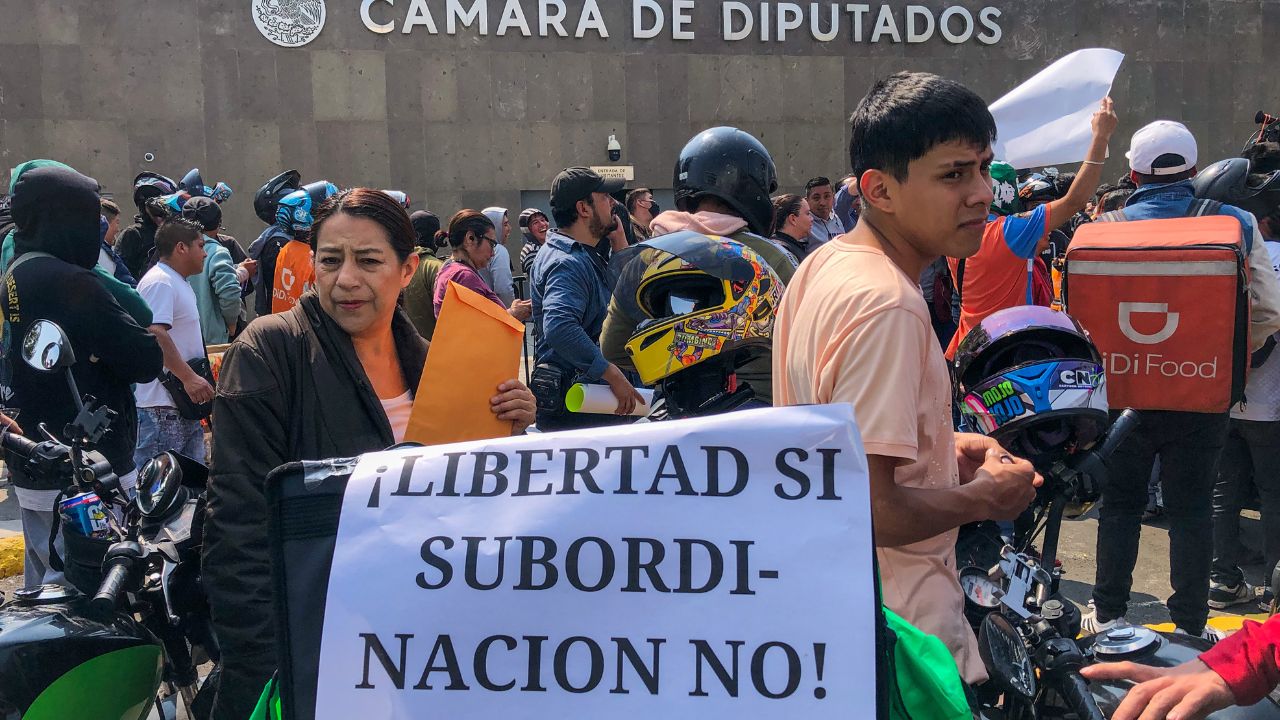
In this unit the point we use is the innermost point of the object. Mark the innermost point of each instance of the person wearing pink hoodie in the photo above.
(722, 189)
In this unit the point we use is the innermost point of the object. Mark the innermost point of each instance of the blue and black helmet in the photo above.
(1031, 378)
(296, 210)
(267, 200)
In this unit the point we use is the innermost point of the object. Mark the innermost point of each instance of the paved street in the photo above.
(1151, 576)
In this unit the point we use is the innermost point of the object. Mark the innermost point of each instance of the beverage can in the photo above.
(85, 514)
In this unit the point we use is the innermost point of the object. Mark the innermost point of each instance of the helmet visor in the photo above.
(978, 344)
(709, 262)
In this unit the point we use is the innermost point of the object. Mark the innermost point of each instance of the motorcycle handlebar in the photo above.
(121, 560)
(1075, 691)
(1120, 429)
(112, 587)
(18, 445)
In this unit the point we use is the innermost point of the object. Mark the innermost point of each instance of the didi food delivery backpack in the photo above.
(1167, 302)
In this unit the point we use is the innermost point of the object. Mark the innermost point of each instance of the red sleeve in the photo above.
(1249, 660)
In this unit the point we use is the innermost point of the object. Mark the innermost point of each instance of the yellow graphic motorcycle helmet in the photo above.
(697, 298)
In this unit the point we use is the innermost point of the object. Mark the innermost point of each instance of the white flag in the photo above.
(1045, 120)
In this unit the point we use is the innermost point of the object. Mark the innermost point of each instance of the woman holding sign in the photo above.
(333, 377)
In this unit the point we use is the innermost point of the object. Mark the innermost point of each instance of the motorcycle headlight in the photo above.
(159, 482)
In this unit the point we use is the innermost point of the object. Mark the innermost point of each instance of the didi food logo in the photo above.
(1127, 310)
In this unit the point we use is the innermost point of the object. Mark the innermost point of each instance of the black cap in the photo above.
(577, 183)
(204, 211)
(425, 226)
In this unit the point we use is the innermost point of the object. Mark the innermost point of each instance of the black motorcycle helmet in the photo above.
(1231, 182)
(192, 183)
(148, 185)
(1031, 378)
(731, 165)
(268, 197)
(1043, 189)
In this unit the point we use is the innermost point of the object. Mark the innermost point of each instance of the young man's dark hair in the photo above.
(1114, 200)
(906, 114)
(176, 230)
(634, 197)
(816, 182)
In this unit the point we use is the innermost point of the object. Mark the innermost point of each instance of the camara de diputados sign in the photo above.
(295, 22)
(708, 568)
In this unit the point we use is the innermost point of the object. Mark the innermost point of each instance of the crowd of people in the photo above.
(861, 290)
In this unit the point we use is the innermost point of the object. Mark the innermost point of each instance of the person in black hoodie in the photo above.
(56, 213)
(137, 240)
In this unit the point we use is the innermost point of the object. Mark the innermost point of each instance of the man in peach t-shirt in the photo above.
(853, 327)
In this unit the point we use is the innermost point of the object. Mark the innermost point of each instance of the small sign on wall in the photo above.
(615, 172)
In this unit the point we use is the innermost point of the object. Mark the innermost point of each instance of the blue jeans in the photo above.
(161, 429)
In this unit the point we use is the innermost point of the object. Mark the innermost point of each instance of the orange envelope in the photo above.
(476, 347)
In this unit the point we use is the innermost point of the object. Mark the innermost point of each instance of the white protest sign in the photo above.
(1045, 120)
(710, 568)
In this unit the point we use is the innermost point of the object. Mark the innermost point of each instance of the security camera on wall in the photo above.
(615, 149)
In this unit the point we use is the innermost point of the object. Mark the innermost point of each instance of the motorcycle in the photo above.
(1027, 631)
(136, 643)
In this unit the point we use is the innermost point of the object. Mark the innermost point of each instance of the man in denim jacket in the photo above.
(571, 291)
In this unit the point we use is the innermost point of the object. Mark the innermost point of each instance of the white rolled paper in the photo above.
(599, 400)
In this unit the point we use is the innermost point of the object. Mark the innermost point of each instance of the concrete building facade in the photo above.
(450, 101)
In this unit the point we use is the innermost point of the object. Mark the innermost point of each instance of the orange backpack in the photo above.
(1167, 303)
(294, 276)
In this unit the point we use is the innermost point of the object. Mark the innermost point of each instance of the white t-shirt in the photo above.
(1262, 391)
(398, 410)
(172, 303)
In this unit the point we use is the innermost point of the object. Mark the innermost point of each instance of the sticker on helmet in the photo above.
(1004, 192)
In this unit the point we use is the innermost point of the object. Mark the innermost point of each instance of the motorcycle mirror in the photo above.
(1005, 655)
(46, 348)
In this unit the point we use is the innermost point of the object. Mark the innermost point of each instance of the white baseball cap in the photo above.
(1164, 147)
